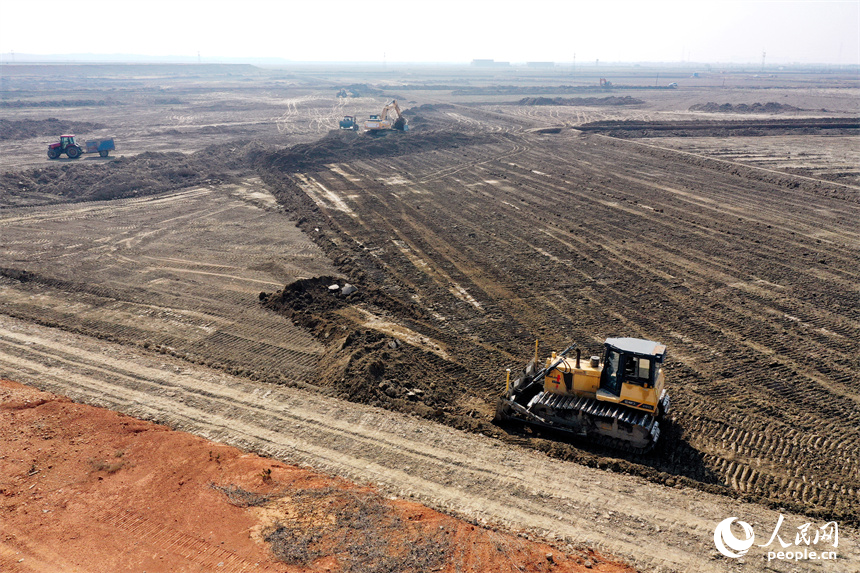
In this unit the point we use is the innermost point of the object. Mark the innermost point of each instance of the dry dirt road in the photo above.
(654, 527)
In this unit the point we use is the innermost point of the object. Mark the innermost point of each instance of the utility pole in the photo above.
(763, 54)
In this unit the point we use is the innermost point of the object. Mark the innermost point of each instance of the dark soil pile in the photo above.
(306, 300)
(715, 128)
(769, 107)
(428, 116)
(25, 128)
(361, 90)
(347, 145)
(363, 364)
(123, 177)
(532, 90)
(592, 101)
(60, 103)
(428, 107)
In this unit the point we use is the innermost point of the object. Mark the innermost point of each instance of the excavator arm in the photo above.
(396, 108)
(388, 107)
(400, 122)
(381, 122)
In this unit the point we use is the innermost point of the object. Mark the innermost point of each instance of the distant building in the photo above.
(489, 63)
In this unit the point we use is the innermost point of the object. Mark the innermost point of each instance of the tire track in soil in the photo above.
(706, 260)
(198, 551)
(850, 409)
(179, 272)
(465, 474)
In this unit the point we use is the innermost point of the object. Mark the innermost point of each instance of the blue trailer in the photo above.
(101, 146)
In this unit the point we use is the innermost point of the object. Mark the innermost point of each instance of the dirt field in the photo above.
(749, 275)
(78, 480)
(730, 235)
(478, 478)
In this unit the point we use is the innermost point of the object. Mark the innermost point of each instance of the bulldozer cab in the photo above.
(630, 361)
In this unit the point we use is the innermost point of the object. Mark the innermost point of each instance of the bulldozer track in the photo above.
(730, 268)
(172, 542)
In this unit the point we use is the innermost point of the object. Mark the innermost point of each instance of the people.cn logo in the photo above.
(728, 544)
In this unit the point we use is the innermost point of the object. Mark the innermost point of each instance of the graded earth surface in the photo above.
(187, 280)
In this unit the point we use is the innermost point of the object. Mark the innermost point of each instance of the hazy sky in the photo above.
(804, 31)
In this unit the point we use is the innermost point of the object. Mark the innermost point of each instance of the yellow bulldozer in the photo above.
(618, 400)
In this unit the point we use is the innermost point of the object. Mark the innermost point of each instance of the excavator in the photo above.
(618, 400)
(383, 122)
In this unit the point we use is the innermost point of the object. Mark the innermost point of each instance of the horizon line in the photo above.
(11, 58)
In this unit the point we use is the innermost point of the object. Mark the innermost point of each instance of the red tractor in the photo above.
(66, 145)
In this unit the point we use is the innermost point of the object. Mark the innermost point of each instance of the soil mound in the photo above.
(720, 128)
(26, 128)
(769, 107)
(496, 90)
(590, 101)
(305, 299)
(380, 352)
(428, 107)
(141, 175)
(369, 359)
(360, 90)
(346, 145)
(60, 103)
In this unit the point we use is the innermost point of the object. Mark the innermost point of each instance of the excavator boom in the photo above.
(383, 122)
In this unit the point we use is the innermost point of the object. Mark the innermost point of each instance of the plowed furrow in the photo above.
(579, 238)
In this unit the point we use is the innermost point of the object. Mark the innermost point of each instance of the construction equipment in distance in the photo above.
(66, 145)
(343, 92)
(72, 150)
(618, 401)
(383, 122)
(348, 122)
